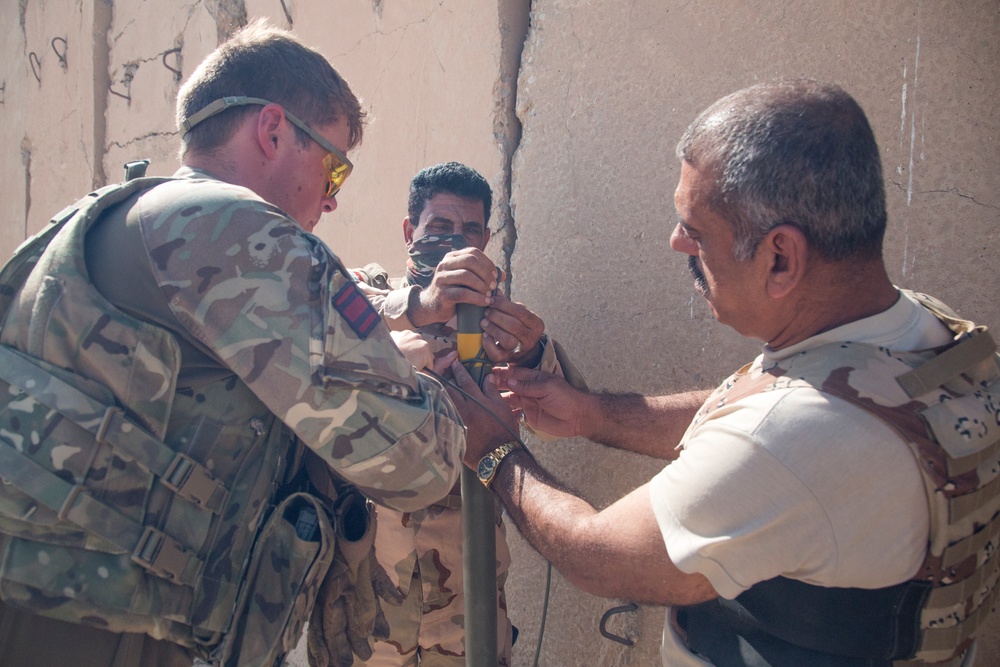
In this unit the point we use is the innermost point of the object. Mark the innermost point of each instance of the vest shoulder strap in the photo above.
(16, 270)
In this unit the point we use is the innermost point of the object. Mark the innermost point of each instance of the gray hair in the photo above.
(796, 152)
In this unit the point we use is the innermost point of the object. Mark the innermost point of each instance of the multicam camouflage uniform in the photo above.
(236, 344)
(422, 550)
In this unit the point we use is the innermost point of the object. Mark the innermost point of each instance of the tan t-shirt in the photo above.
(795, 483)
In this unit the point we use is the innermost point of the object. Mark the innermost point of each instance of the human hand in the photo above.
(512, 333)
(548, 403)
(484, 432)
(416, 350)
(462, 276)
(443, 362)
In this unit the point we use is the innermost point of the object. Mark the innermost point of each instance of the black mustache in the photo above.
(699, 278)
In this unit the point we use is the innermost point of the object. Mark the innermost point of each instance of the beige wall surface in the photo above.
(605, 91)
(576, 133)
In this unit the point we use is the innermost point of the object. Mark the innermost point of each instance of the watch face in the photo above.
(486, 467)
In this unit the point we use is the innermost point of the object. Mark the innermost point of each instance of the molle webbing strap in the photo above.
(938, 642)
(955, 661)
(959, 507)
(952, 594)
(964, 464)
(182, 475)
(149, 548)
(976, 348)
(973, 544)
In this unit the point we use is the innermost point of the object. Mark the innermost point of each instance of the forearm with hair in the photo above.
(616, 553)
(650, 425)
(549, 516)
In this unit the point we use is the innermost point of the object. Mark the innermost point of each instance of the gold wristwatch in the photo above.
(488, 465)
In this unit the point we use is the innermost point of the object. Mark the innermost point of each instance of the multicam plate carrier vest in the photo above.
(945, 404)
(129, 505)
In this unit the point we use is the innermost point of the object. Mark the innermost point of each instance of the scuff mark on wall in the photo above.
(515, 20)
(909, 260)
(26, 162)
(910, 108)
(902, 115)
(913, 122)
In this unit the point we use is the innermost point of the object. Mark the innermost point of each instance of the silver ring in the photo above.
(517, 348)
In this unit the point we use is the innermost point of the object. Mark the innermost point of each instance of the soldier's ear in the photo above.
(408, 231)
(269, 129)
(785, 252)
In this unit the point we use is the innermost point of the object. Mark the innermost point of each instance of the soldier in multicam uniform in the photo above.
(835, 502)
(173, 365)
(445, 233)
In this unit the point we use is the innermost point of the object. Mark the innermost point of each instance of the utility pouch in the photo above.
(289, 562)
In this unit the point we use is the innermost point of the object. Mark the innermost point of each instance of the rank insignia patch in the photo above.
(356, 310)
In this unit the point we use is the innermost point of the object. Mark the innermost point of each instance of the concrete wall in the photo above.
(604, 94)
(602, 91)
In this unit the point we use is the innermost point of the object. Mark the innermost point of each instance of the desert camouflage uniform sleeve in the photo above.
(277, 307)
(555, 360)
(391, 301)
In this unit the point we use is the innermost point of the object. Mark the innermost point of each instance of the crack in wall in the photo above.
(428, 16)
(101, 63)
(229, 15)
(143, 137)
(946, 191)
(515, 21)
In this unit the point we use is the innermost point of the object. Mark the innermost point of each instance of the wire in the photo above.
(545, 611)
(496, 417)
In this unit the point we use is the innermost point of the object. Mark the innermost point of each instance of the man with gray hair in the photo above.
(834, 502)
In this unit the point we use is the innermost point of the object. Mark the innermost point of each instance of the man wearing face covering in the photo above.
(445, 234)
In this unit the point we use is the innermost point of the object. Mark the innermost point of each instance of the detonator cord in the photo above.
(516, 436)
(475, 400)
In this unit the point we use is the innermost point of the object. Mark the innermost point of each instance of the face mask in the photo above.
(426, 253)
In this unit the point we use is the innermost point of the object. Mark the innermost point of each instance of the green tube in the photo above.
(480, 569)
(479, 549)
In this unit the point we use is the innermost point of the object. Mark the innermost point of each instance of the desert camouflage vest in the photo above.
(945, 404)
(126, 503)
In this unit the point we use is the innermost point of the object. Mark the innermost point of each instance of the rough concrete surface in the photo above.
(571, 109)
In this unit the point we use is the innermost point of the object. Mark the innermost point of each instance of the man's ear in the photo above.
(408, 231)
(486, 236)
(270, 128)
(787, 256)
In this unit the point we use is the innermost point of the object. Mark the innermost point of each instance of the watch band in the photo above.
(486, 470)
